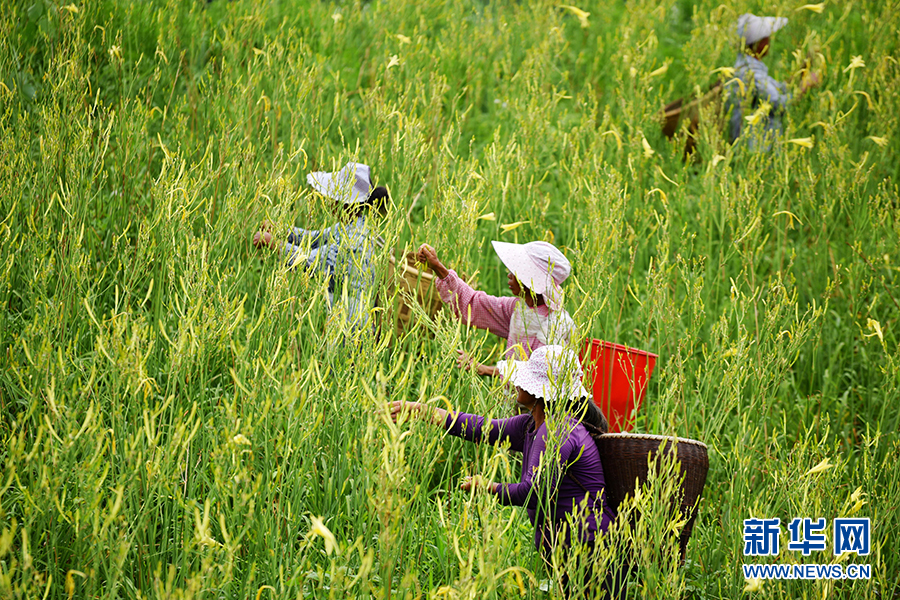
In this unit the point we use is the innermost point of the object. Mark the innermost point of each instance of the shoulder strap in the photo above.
(595, 435)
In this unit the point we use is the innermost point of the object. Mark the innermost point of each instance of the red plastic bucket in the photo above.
(619, 377)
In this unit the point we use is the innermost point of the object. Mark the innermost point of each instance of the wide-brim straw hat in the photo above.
(350, 185)
(539, 266)
(552, 373)
(752, 28)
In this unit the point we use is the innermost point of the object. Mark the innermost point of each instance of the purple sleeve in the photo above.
(528, 492)
(472, 428)
(475, 307)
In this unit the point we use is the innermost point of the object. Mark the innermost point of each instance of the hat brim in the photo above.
(347, 186)
(518, 374)
(757, 28)
(516, 259)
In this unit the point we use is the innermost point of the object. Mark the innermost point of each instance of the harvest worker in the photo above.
(342, 252)
(533, 317)
(755, 99)
(562, 482)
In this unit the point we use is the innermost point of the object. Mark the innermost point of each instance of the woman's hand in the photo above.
(399, 407)
(428, 255)
(466, 363)
(417, 410)
(262, 238)
(811, 80)
(477, 482)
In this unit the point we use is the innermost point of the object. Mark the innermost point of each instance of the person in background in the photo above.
(562, 476)
(342, 252)
(752, 89)
(532, 317)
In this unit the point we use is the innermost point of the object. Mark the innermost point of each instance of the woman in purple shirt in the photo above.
(556, 404)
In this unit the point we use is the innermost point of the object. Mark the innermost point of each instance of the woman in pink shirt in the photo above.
(532, 317)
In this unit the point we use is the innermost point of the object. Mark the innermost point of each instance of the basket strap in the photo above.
(578, 483)
(595, 434)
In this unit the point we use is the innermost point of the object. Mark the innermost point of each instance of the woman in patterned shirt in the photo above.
(342, 252)
(753, 90)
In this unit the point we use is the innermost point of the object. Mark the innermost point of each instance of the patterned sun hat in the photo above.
(752, 28)
(350, 185)
(539, 266)
(552, 372)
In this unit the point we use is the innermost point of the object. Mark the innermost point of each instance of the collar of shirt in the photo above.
(745, 61)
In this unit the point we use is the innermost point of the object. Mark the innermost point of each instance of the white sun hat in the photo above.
(539, 266)
(552, 373)
(752, 28)
(350, 185)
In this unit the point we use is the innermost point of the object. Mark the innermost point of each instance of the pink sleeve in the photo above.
(474, 307)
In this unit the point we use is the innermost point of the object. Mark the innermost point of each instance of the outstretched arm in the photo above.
(471, 306)
(473, 428)
(428, 255)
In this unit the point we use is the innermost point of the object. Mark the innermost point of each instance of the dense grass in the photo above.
(177, 407)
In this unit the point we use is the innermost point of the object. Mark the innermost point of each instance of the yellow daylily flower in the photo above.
(881, 141)
(758, 114)
(791, 215)
(582, 15)
(875, 327)
(816, 8)
(241, 440)
(754, 584)
(659, 71)
(394, 61)
(511, 226)
(488, 217)
(403, 39)
(822, 466)
(857, 497)
(70, 582)
(648, 151)
(728, 72)
(856, 62)
(806, 142)
(318, 528)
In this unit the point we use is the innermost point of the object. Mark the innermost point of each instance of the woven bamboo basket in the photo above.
(625, 465)
(674, 112)
(416, 283)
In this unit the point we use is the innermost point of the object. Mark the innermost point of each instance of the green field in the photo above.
(181, 419)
